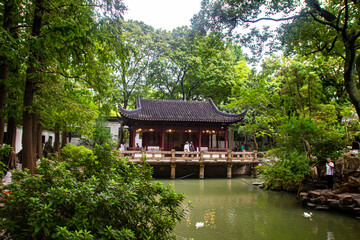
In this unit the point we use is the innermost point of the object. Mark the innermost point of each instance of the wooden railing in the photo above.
(181, 156)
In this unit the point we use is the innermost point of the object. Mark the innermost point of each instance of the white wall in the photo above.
(18, 145)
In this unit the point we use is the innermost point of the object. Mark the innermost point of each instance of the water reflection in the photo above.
(231, 209)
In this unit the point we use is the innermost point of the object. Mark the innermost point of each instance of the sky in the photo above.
(164, 14)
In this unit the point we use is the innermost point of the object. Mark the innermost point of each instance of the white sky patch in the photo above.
(164, 14)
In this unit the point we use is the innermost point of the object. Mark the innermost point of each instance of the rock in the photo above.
(304, 201)
(320, 200)
(347, 164)
(311, 205)
(334, 203)
(348, 208)
(322, 207)
(315, 193)
(356, 201)
(303, 194)
(345, 199)
(354, 179)
(328, 194)
(355, 195)
(311, 200)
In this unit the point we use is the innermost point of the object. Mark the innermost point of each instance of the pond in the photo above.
(234, 209)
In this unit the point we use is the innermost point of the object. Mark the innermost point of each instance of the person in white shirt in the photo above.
(330, 173)
(186, 148)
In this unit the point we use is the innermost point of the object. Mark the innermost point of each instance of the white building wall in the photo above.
(19, 132)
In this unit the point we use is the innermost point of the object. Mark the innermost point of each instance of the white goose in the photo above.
(308, 215)
(199, 225)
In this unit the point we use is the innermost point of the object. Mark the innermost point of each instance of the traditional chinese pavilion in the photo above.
(168, 124)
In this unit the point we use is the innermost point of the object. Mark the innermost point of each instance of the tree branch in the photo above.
(268, 19)
(66, 76)
(339, 16)
(328, 50)
(332, 45)
(325, 23)
(346, 14)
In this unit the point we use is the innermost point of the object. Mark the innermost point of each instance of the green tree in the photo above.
(330, 27)
(132, 56)
(53, 45)
(289, 93)
(192, 67)
(99, 135)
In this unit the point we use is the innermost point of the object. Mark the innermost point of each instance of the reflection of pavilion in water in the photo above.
(168, 124)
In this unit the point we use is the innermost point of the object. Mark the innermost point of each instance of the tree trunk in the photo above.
(27, 144)
(2, 102)
(11, 140)
(358, 66)
(39, 143)
(63, 138)
(28, 157)
(57, 140)
(8, 7)
(255, 142)
(308, 148)
(34, 134)
(11, 132)
(121, 135)
(349, 75)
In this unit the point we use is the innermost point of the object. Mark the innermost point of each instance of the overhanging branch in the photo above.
(268, 19)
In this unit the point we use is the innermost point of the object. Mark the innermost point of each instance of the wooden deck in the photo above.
(201, 158)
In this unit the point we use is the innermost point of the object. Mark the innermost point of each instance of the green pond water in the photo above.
(234, 209)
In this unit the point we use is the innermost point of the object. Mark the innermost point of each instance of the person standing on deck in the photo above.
(191, 147)
(243, 147)
(330, 173)
(186, 148)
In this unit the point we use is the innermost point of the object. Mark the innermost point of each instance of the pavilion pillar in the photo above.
(162, 139)
(199, 140)
(172, 171)
(229, 170)
(226, 143)
(217, 140)
(133, 135)
(202, 171)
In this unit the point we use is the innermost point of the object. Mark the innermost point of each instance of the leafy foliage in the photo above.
(191, 66)
(287, 168)
(5, 150)
(325, 141)
(90, 196)
(99, 135)
(325, 28)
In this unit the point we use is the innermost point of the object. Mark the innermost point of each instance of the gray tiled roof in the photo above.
(180, 111)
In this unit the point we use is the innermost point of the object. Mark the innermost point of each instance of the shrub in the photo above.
(288, 168)
(5, 150)
(90, 196)
(76, 155)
